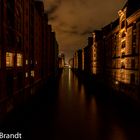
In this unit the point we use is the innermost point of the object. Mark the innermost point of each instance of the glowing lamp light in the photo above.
(116, 82)
(26, 74)
(26, 62)
(122, 50)
(32, 73)
(9, 59)
(19, 59)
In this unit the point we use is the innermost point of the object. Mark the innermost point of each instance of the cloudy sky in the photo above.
(74, 20)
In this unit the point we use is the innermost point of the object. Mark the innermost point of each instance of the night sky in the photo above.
(74, 20)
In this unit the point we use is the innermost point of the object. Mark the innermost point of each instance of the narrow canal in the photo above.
(70, 109)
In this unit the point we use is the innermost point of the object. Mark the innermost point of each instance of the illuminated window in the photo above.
(26, 62)
(32, 73)
(9, 59)
(19, 60)
(116, 82)
(26, 74)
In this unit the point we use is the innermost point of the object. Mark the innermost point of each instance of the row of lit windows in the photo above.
(32, 74)
(10, 59)
(131, 63)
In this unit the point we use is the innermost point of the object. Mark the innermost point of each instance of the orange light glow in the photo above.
(9, 59)
(32, 73)
(19, 60)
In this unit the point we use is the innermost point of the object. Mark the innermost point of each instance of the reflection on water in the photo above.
(81, 116)
(70, 111)
(74, 114)
(82, 95)
(117, 133)
(69, 81)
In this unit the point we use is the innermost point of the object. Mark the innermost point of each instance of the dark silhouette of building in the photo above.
(88, 56)
(54, 54)
(80, 59)
(75, 60)
(28, 51)
(98, 55)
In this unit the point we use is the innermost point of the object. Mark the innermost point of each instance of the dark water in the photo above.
(71, 109)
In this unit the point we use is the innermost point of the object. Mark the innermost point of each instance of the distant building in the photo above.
(61, 60)
(79, 59)
(75, 60)
(83, 58)
(71, 63)
(88, 53)
(98, 54)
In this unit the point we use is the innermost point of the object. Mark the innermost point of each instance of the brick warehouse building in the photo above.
(128, 76)
(24, 36)
(116, 51)
(88, 53)
(61, 60)
(110, 43)
(121, 40)
(98, 55)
